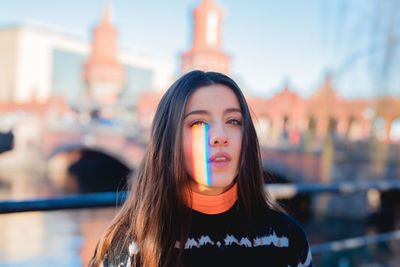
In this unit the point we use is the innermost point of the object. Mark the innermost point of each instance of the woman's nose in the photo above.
(218, 136)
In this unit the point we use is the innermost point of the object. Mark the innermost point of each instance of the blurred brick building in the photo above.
(287, 112)
(39, 60)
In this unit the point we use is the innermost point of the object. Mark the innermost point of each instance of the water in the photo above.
(378, 255)
(54, 238)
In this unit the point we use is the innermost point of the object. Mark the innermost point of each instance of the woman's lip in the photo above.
(219, 164)
(213, 158)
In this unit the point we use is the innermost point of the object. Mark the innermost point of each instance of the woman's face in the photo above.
(212, 138)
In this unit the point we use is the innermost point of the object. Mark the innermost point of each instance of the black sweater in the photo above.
(225, 239)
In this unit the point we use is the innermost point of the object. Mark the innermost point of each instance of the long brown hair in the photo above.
(154, 215)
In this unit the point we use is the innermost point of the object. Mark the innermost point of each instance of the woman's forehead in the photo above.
(214, 97)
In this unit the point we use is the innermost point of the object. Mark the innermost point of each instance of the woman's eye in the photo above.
(198, 123)
(235, 122)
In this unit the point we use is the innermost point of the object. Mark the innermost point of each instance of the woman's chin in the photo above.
(212, 189)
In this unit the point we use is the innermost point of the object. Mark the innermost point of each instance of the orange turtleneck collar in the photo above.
(214, 204)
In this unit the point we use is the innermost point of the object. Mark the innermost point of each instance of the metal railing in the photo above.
(355, 242)
(110, 199)
(93, 200)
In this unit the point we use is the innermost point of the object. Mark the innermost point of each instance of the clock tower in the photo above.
(206, 53)
(103, 74)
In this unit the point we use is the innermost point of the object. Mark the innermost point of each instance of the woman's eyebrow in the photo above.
(205, 112)
(200, 111)
(231, 110)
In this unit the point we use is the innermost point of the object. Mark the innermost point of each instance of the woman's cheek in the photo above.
(187, 152)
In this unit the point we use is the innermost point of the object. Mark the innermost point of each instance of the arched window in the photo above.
(378, 129)
(332, 124)
(312, 125)
(394, 133)
(263, 127)
(354, 131)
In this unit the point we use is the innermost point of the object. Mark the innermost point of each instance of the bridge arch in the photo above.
(80, 169)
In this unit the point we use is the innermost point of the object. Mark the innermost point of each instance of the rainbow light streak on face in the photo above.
(200, 155)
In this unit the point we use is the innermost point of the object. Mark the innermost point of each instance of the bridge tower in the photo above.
(206, 53)
(103, 73)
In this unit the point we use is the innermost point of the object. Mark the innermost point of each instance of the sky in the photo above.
(271, 43)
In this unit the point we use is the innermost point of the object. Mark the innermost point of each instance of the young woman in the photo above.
(198, 198)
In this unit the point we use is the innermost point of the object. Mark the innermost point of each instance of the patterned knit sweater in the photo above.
(225, 239)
